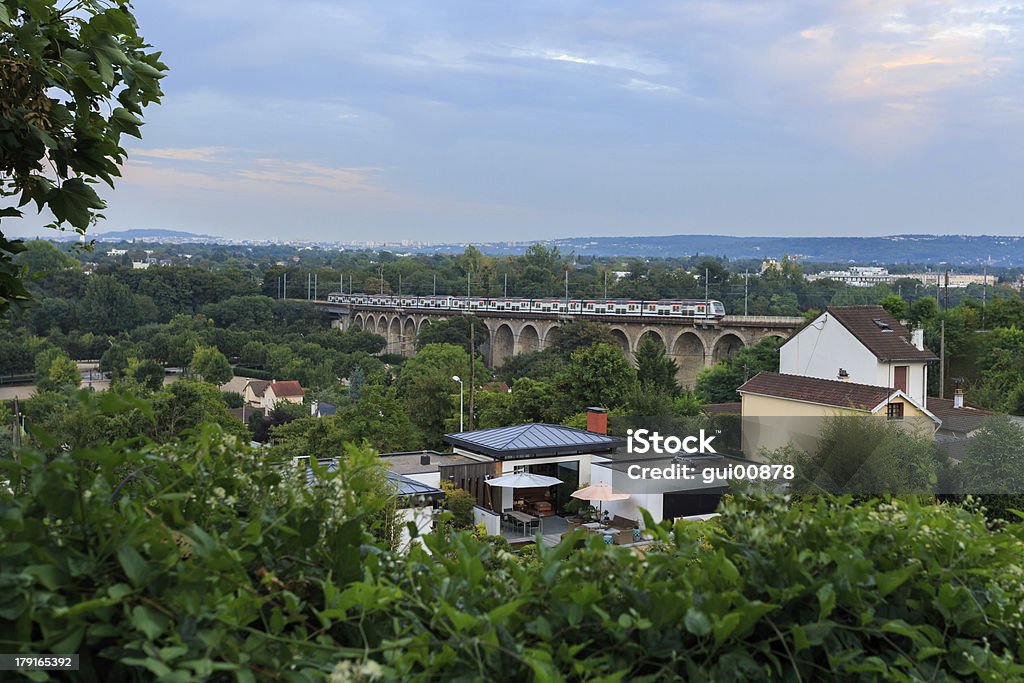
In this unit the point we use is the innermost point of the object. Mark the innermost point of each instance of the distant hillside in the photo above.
(151, 235)
(963, 250)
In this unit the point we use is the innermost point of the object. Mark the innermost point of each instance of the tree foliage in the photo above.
(718, 384)
(74, 78)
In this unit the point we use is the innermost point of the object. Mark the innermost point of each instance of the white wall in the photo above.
(824, 346)
(491, 521)
(629, 508)
(917, 379)
(422, 517)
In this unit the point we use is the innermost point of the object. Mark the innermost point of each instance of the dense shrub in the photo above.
(198, 561)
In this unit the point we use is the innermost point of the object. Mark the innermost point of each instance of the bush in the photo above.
(196, 560)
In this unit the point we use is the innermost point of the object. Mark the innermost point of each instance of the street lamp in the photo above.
(456, 378)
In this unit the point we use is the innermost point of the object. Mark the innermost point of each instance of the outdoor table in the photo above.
(522, 518)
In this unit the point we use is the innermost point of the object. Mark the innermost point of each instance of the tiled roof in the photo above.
(733, 408)
(258, 386)
(287, 388)
(829, 392)
(528, 440)
(964, 420)
(880, 332)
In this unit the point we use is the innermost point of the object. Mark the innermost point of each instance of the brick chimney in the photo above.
(843, 375)
(597, 420)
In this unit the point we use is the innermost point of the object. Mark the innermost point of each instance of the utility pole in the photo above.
(945, 299)
(381, 271)
(566, 286)
(399, 284)
(469, 282)
(286, 284)
(942, 358)
(316, 287)
(706, 297)
(472, 373)
(746, 289)
(984, 294)
(506, 286)
(435, 284)
(606, 284)
(309, 285)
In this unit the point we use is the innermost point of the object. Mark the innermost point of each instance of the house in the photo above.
(865, 345)
(578, 458)
(254, 390)
(960, 422)
(416, 500)
(322, 409)
(282, 392)
(778, 409)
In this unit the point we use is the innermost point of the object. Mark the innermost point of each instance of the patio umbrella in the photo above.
(524, 480)
(599, 492)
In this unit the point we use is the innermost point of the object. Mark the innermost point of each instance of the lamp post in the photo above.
(456, 378)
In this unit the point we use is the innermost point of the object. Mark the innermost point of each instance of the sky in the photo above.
(455, 121)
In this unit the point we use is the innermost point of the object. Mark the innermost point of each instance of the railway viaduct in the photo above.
(693, 345)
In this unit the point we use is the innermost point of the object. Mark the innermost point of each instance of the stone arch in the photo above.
(395, 344)
(424, 322)
(357, 321)
(382, 330)
(529, 339)
(725, 346)
(369, 323)
(502, 345)
(689, 352)
(408, 337)
(622, 338)
(652, 334)
(551, 337)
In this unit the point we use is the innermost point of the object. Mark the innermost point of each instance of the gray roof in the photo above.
(533, 440)
(410, 463)
(404, 486)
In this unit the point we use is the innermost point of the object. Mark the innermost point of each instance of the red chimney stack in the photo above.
(597, 420)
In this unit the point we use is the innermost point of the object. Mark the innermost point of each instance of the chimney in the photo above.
(597, 420)
(917, 338)
(425, 459)
(843, 375)
(958, 398)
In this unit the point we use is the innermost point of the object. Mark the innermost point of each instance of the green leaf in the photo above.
(73, 202)
(826, 600)
(5, 18)
(148, 620)
(135, 567)
(47, 574)
(890, 581)
(697, 622)
(800, 641)
(725, 626)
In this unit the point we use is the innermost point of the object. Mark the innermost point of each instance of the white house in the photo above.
(863, 345)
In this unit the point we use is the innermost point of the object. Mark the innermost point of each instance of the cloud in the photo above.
(648, 86)
(200, 154)
(241, 174)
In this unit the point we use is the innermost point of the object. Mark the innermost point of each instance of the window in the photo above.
(900, 377)
(894, 411)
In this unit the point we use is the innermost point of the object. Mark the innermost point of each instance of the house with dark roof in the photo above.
(779, 409)
(564, 453)
(864, 345)
(253, 391)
